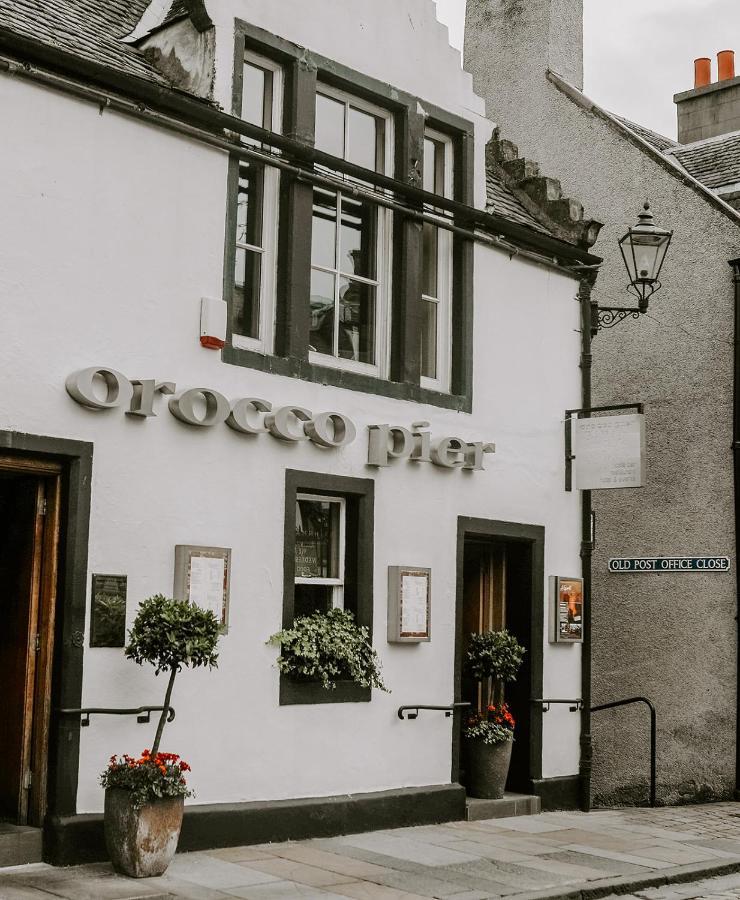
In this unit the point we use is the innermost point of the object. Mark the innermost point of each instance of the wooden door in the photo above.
(29, 513)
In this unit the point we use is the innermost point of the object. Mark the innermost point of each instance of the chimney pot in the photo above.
(702, 72)
(726, 64)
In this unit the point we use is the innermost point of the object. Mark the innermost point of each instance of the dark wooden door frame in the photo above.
(512, 532)
(75, 459)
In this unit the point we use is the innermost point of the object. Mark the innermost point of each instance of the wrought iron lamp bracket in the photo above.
(609, 316)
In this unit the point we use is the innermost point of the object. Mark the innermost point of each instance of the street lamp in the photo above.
(643, 248)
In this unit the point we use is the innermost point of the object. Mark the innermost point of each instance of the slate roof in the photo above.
(714, 161)
(652, 137)
(91, 29)
(500, 201)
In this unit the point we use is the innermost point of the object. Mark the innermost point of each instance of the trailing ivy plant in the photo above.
(170, 634)
(328, 647)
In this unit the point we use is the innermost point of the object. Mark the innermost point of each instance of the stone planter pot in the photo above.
(487, 768)
(141, 842)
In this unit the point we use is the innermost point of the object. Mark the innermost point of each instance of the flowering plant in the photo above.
(494, 726)
(148, 777)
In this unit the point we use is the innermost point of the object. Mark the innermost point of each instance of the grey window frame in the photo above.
(302, 70)
(359, 497)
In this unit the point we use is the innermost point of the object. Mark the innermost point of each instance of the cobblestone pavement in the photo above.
(632, 852)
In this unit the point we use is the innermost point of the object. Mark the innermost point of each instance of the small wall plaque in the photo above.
(202, 576)
(409, 604)
(566, 610)
(108, 611)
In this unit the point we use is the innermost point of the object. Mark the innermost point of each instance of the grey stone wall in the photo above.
(670, 637)
(709, 111)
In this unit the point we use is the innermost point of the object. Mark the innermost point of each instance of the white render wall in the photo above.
(111, 232)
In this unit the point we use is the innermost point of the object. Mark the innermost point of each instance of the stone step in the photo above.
(19, 845)
(509, 805)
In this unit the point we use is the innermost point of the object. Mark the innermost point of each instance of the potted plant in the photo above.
(493, 658)
(328, 647)
(144, 796)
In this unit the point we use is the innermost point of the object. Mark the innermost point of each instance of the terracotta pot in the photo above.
(141, 842)
(487, 768)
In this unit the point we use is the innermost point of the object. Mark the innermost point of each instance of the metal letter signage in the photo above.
(665, 564)
(102, 388)
(610, 452)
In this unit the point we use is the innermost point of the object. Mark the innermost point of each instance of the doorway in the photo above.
(501, 585)
(29, 542)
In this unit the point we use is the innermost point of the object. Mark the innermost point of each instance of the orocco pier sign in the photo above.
(666, 564)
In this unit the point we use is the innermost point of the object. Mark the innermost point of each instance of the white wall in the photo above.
(111, 233)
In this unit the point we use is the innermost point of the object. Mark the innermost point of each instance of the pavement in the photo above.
(654, 854)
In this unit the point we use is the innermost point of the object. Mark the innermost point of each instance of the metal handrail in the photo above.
(142, 713)
(575, 705)
(413, 711)
(653, 736)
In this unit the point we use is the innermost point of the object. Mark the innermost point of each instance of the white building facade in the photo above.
(129, 206)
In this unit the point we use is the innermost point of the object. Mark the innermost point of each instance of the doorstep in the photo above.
(509, 805)
(19, 844)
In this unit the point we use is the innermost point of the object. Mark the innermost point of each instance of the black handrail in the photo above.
(142, 713)
(448, 710)
(653, 736)
(575, 705)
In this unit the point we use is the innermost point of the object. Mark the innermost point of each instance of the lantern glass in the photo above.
(644, 248)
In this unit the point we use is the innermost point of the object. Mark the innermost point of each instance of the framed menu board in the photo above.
(202, 577)
(566, 610)
(409, 604)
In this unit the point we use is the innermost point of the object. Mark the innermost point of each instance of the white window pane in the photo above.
(430, 260)
(366, 134)
(322, 312)
(357, 239)
(434, 166)
(356, 339)
(329, 125)
(317, 537)
(257, 96)
(245, 306)
(324, 228)
(429, 339)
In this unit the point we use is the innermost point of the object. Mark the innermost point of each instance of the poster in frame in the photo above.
(566, 610)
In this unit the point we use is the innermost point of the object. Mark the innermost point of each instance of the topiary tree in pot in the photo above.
(144, 796)
(493, 658)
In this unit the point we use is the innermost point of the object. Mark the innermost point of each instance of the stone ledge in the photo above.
(477, 810)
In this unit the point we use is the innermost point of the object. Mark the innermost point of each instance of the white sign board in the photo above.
(609, 452)
(202, 577)
(409, 604)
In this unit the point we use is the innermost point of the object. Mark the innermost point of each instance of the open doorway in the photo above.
(500, 585)
(29, 541)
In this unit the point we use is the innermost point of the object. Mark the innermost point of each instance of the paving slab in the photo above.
(660, 854)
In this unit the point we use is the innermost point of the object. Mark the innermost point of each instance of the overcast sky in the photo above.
(639, 53)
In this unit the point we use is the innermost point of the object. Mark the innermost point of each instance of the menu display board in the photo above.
(566, 610)
(202, 577)
(409, 604)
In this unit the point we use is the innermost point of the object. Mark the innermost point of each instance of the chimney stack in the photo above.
(726, 65)
(710, 109)
(702, 72)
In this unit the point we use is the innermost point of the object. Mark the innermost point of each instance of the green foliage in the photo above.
(328, 647)
(494, 654)
(173, 633)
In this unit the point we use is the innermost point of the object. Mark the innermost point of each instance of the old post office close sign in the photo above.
(665, 564)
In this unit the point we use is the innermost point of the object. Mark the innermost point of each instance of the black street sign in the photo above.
(666, 564)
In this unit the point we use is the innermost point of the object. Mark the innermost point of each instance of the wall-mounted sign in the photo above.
(202, 576)
(101, 388)
(566, 610)
(664, 564)
(609, 452)
(108, 611)
(409, 605)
